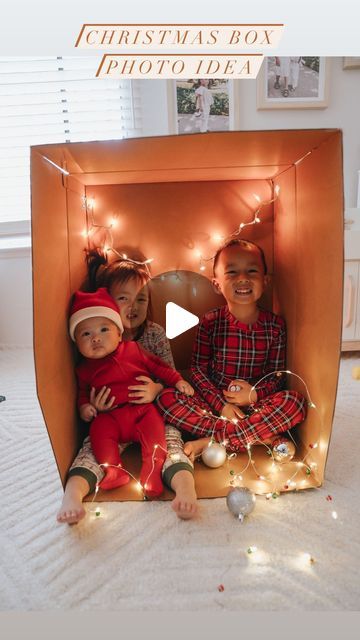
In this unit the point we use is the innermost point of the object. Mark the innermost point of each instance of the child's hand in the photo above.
(87, 412)
(185, 387)
(100, 400)
(232, 412)
(245, 396)
(144, 393)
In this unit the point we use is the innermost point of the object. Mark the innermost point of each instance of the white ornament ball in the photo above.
(214, 455)
(283, 450)
(240, 501)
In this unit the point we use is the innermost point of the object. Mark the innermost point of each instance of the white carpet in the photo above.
(139, 556)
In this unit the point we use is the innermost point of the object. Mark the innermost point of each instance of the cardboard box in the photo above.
(170, 195)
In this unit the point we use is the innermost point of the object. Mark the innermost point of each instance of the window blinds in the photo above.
(54, 100)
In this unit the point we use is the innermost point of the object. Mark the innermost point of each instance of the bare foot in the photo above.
(72, 509)
(194, 448)
(185, 502)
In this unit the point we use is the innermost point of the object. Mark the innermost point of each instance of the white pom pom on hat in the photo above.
(93, 305)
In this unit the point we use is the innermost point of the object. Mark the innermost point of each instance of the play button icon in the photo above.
(178, 320)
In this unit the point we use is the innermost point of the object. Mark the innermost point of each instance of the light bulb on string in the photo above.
(297, 465)
(217, 237)
(256, 220)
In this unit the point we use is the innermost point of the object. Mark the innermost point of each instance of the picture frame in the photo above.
(351, 63)
(295, 82)
(182, 106)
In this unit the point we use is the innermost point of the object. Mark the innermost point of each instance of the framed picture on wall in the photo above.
(200, 106)
(295, 82)
(351, 63)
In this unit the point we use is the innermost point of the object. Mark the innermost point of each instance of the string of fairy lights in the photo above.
(108, 242)
(236, 479)
(92, 226)
(275, 465)
(256, 220)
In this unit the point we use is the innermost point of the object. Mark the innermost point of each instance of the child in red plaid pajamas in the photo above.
(236, 346)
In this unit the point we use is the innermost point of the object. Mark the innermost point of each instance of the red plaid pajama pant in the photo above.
(272, 415)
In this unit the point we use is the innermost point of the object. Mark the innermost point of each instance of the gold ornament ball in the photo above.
(283, 450)
(355, 372)
(214, 455)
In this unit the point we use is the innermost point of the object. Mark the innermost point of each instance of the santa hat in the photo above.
(93, 305)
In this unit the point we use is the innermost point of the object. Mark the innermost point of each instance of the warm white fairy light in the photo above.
(299, 465)
(138, 484)
(251, 550)
(108, 243)
(307, 558)
(334, 515)
(256, 220)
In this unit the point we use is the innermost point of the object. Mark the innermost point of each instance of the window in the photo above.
(54, 100)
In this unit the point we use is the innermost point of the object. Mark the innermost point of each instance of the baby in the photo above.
(110, 366)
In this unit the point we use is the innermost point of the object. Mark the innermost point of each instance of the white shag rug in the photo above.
(139, 556)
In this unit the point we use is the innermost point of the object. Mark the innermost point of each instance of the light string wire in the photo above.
(256, 220)
(276, 465)
(120, 466)
(108, 244)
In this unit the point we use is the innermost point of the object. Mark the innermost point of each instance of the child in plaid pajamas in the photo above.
(236, 346)
(125, 280)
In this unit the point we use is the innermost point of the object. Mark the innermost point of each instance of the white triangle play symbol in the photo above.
(178, 320)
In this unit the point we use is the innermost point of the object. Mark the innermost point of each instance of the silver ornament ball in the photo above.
(283, 450)
(240, 501)
(214, 455)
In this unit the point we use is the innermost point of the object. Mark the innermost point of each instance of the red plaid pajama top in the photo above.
(225, 350)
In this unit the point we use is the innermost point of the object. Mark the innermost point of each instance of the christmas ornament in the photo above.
(214, 455)
(240, 501)
(283, 450)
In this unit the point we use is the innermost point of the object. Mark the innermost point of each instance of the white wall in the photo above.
(342, 112)
(15, 297)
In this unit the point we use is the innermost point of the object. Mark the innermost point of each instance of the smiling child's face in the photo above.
(240, 275)
(97, 337)
(132, 299)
